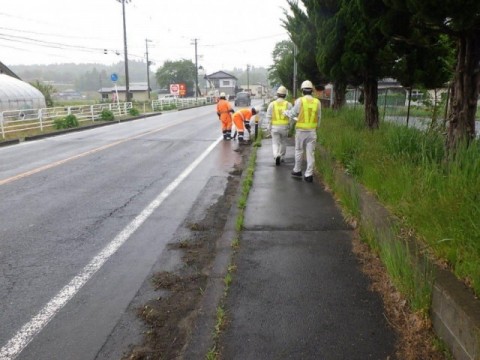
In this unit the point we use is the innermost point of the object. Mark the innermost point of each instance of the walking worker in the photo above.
(278, 124)
(224, 112)
(241, 119)
(307, 113)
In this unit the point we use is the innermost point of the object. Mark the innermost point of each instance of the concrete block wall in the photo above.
(455, 311)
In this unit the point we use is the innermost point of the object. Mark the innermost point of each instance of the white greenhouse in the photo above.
(16, 94)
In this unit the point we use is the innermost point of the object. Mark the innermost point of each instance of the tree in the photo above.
(459, 20)
(301, 28)
(281, 72)
(366, 54)
(330, 46)
(47, 90)
(175, 72)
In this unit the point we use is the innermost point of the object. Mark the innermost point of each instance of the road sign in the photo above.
(174, 89)
(114, 77)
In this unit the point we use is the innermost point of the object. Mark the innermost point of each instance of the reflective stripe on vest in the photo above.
(307, 119)
(277, 114)
(241, 115)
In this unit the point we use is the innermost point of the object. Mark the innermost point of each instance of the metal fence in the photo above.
(38, 119)
(180, 103)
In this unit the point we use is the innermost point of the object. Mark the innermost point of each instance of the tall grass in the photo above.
(408, 171)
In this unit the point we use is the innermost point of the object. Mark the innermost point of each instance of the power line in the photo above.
(55, 45)
(51, 34)
(246, 40)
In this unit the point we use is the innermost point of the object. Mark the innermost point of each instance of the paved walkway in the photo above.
(298, 292)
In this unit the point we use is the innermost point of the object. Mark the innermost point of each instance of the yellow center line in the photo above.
(89, 152)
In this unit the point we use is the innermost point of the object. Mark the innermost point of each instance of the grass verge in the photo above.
(407, 170)
(213, 353)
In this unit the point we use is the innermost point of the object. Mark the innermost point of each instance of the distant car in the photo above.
(243, 99)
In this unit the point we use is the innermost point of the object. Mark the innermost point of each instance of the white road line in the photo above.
(28, 331)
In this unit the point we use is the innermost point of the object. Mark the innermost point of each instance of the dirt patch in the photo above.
(416, 339)
(170, 317)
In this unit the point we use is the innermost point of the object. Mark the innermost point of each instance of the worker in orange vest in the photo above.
(241, 119)
(224, 112)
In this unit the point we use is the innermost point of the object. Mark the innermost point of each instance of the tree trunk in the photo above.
(465, 90)
(371, 108)
(339, 95)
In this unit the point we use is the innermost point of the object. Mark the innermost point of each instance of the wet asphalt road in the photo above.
(65, 198)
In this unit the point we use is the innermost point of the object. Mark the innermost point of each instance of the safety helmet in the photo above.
(282, 90)
(254, 111)
(222, 94)
(307, 84)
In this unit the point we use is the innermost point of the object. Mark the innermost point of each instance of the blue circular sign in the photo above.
(114, 77)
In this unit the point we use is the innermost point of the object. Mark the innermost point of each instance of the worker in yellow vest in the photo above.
(307, 113)
(278, 124)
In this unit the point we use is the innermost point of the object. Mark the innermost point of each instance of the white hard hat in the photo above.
(282, 90)
(307, 84)
(223, 94)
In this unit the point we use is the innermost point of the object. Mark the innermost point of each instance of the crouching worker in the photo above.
(241, 119)
(224, 112)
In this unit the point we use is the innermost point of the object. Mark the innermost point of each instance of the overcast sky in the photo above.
(229, 33)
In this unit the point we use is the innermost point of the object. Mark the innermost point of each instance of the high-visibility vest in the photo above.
(245, 114)
(307, 119)
(277, 113)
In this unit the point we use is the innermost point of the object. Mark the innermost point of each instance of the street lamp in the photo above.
(148, 68)
(127, 82)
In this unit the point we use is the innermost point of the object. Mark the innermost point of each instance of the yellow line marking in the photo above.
(89, 152)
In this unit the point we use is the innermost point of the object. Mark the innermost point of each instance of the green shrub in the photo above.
(69, 121)
(133, 112)
(107, 115)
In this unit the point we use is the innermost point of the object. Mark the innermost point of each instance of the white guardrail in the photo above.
(180, 103)
(31, 119)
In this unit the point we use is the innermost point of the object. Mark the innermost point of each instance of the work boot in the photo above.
(308, 178)
(297, 174)
(277, 161)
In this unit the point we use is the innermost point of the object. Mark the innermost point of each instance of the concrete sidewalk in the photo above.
(298, 292)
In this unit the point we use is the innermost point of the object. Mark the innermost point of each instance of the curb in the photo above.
(455, 312)
(202, 337)
(9, 142)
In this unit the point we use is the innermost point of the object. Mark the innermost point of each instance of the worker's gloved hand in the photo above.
(247, 126)
(232, 111)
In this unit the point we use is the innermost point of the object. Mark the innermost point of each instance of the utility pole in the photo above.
(196, 70)
(248, 78)
(127, 81)
(294, 71)
(148, 67)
